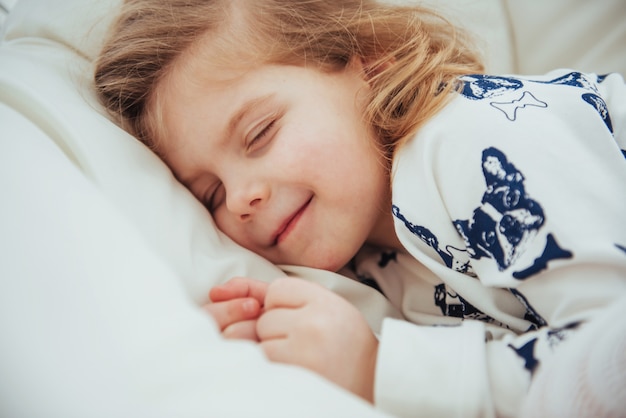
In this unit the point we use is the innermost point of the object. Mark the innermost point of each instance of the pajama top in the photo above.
(511, 205)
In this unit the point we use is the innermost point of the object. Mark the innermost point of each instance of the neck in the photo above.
(383, 234)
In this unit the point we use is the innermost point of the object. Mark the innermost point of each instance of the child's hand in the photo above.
(236, 307)
(308, 325)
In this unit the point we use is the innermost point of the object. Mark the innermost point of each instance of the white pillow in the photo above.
(173, 223)
(105, 258)
(176, 227)
(579, 34)
(488, 23)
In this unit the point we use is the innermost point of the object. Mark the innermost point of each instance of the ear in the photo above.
(369, 68)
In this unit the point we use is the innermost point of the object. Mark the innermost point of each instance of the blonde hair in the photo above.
(413, 54)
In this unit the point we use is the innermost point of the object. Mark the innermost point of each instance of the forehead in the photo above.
(209, 65)
(196, 95)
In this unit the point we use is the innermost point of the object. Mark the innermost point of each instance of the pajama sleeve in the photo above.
(512, 199)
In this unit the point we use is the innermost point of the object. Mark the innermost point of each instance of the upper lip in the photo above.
(288, 221)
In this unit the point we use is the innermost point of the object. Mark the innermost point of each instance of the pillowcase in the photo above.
(50, 52)
(106, 257)
(576, 34)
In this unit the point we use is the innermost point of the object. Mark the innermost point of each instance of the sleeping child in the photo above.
(352, 134)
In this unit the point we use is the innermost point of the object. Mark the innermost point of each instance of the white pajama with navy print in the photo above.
(511, 205)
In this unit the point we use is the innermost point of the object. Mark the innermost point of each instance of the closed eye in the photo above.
(215, 198)
(259, 136)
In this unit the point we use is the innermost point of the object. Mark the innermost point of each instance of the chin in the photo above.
(333, 264)
(329, 259)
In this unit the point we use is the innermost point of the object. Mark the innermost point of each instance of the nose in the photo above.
(245, 197)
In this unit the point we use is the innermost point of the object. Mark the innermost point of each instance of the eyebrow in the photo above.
(235, 120)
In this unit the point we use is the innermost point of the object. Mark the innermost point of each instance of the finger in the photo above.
(292, 292)
(239, 287)
(244, 330)
(232, 311)
(278, 350)
(276, 324)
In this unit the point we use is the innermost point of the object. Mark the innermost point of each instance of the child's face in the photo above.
(281, 157)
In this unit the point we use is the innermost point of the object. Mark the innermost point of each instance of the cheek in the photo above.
(225, 224)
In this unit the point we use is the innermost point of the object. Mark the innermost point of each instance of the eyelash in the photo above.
(261, 134)
(210, 202)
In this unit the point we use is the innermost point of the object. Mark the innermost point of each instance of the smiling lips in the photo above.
(290, 223)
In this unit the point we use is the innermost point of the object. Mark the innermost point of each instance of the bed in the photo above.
(105, 258)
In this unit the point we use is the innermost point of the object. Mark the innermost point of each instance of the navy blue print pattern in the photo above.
(527, 352)
(501, 228)
(452, 257)
(574, 79)
(600, 105)
(531, 314)
(364, 278)
(556, 335)
(507, 220)
(510, 108)
(603, 110)
(480, 86)
(386, 257)
(453, 304)
(552, 251)
(371, 282)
